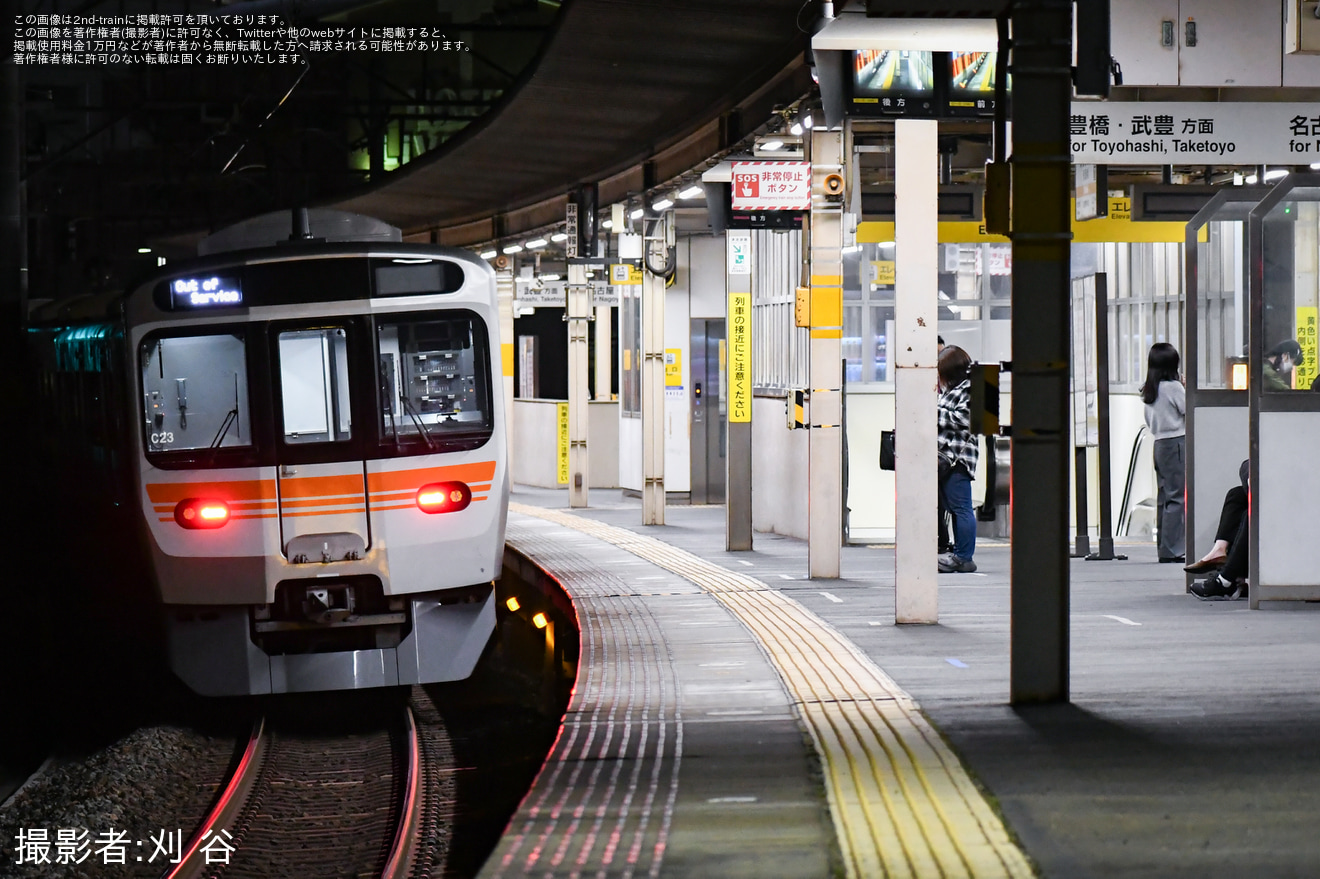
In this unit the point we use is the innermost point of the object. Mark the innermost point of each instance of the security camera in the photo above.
(832, 185)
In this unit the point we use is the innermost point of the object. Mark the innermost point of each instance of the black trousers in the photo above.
(1233, 528)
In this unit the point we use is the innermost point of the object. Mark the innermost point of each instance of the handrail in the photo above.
(1124, 514)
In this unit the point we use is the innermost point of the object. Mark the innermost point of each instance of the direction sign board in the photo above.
(1194, 133)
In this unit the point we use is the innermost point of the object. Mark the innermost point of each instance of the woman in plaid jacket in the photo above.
(958, 450)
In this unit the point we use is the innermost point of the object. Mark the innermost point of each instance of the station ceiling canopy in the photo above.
(617, 84)
(545, 97)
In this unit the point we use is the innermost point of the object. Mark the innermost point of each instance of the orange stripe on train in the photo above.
(234, 490)
(322, 486)
(405, 480)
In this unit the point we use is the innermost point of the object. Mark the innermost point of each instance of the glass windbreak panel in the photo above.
(1221, 304)
(314, 386)
(195, 392)
(1291, 263)
(434, 377)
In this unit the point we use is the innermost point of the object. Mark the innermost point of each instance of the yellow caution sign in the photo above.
(625, 275)
(562, 424)
(1309, 368)
(673, 367)
(740, 357)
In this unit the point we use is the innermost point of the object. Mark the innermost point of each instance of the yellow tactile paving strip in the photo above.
(901, 803)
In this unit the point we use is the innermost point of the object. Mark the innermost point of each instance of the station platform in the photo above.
(732, 718)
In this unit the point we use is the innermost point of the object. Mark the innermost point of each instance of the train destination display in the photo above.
(208, 292)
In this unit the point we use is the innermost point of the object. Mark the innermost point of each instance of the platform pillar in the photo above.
(1041, 235)
(738, 481)
(825, 433)
(504, 291)
(653, 378)
(578, 311)
(913, 353)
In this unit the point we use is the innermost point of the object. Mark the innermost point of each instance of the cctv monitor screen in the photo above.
(893, 83)
(971, 79)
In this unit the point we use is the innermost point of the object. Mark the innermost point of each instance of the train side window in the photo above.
(314, 385)
(434, 379)
(195, 392)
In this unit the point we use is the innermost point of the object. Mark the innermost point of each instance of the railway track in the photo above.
(300, 804)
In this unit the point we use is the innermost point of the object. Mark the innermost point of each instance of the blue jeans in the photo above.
(957, 491)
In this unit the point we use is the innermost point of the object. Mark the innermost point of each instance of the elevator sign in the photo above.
(771, 186)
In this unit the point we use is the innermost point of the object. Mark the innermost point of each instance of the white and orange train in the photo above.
(313, 446)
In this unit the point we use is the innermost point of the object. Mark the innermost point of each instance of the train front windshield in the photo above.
(427, 375)
(433, 377)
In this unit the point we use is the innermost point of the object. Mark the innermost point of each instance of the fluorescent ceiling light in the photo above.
(487, 254)
(662, 204)
(806, 121)
(559, 236)
(536, 242)
(637, 214)
(550, 278)
(692, 192)
(1276, 174)
(607, 224)
(1315, 166)
(771, 145)
(796, 129)
(1250, 179)
(513, 248)
(144, 250)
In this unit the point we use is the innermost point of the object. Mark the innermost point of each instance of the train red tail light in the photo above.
(443, 497)
(201, 513)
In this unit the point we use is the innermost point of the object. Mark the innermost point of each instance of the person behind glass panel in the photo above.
(1279, 363)
(1166, 418)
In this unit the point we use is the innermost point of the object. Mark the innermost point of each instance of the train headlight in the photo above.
(201, 513)
(443, 497)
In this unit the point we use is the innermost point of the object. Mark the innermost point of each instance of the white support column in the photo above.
(653, 382)
(504, 290)
(825, 433)
(912, 351)
(578, 311)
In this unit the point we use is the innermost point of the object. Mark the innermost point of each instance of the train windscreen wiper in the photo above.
(412, 413)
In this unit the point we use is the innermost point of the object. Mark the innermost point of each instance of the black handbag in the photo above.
(886, 450)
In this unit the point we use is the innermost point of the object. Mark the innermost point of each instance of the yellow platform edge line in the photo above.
(939, 804)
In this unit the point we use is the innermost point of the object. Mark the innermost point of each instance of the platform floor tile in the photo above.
(900, 801)
(680, 753)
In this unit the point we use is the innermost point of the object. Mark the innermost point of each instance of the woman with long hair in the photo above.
(1166, 418)
(958, 450)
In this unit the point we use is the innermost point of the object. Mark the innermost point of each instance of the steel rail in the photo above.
(400, 862)
(227, 807)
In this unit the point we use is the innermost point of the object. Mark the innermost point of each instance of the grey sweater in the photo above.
(1167, 416)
